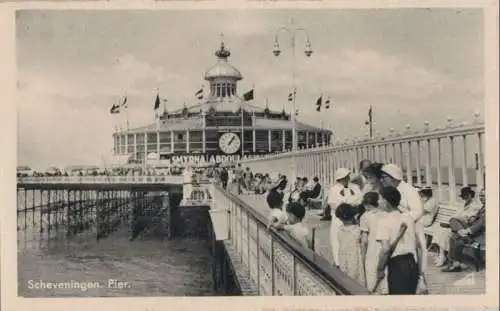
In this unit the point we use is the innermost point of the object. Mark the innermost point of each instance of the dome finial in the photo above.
(222, 53)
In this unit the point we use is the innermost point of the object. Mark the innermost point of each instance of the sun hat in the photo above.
(393, 170)
(341, 173)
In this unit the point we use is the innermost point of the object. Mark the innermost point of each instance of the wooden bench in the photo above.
(444, 214)
(317, 203)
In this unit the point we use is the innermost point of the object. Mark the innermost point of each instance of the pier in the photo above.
(247, 258)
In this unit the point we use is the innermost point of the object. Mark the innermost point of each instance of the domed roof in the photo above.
(223, 69)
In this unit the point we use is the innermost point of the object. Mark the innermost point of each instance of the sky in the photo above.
(411, 65)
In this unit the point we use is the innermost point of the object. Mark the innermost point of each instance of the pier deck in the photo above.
(440, 283)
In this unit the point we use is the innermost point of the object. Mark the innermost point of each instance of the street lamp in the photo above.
(293, 31)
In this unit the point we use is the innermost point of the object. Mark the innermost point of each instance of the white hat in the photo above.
(393, 170)
(341, 173)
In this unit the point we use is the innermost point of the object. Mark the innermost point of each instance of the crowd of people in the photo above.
(378, 221)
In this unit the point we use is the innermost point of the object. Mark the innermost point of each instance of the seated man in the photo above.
(312, 193)
(469, 233)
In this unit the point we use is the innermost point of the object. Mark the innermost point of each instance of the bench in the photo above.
(444, 214)
(317, 203)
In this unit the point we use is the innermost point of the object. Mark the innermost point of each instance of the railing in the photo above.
(425, 157)
(127, 179)
(277, 264)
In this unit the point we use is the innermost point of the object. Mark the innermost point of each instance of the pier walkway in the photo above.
(440, 283)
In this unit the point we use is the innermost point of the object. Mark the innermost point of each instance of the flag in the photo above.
(296, 112)
(327, 103)
(157, 101)
(318, 103)
(124, 104)
(114, 109)
(248, 95)
(369, 116)
(199, 94)
(291, 95)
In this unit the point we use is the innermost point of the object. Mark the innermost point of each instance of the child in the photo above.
(295, 226)
(370, 249)
(349, 236)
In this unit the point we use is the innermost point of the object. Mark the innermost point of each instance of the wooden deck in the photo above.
(440, 283)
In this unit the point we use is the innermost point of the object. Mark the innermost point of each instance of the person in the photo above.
(295, 225)
(238, 175)
(431, 206)
(314, 192)
(370, 249)
(471, 234)
(294, 194)
(275, 195)
(402, 269)
(341, 192)
(372, 175)
(443, 233)
(359, 178)
(224, 177)
(248, 178)
(349, 236)
(410, 202)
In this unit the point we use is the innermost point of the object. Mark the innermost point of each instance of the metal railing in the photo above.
(444, 158)
(276, 263)
(127, 179)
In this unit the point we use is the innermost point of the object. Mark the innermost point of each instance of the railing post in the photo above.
(465, 180)
(451, 172)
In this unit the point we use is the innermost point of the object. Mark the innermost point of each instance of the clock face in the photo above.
(229, 143)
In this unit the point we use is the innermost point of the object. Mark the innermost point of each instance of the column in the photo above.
(135, 146)
(126, 143)
(451, 171)
(419, 177)
(204, 140)
(158, 144)
(269, 140)
(145, 146)
(480, 172)
(438, 168)
(428, 177)
(187, 141)
(254, 147)
(393, 153)
(283, 140)
(409, 177)
(464, 167)
(172, 141)
(401, 155)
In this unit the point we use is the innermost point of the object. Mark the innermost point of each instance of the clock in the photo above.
(229, 143)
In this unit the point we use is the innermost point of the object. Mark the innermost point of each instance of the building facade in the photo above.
(222, 124)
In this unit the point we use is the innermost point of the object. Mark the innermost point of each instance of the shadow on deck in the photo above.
(440, 283)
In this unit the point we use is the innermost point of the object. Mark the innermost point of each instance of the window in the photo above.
(179, 141)
(211, 138)
(195, 141)
(261, 141)
(130, 143)
(276, 140)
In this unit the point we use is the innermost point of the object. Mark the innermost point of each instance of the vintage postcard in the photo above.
(217, 155)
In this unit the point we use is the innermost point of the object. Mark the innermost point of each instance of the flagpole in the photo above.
(126, 114)
(371, 122)
(242, 134)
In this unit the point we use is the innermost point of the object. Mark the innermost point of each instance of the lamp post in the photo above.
(293, 31)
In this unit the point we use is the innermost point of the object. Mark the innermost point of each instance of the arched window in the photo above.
(224, 88)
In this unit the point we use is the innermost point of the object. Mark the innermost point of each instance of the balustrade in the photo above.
(276, 264)
(126, 179)
(441, 165)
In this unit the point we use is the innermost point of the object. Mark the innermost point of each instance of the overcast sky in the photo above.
(412, 65)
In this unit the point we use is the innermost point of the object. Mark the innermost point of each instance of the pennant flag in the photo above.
(318, 103)
(114, 109)
(157, 102)
(199, 94)
(248, 95)
(291, 95)
(327, 103)
(124, 104)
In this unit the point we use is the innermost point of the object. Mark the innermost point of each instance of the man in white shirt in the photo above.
(411, 202)
(343, 191)
(403, 270)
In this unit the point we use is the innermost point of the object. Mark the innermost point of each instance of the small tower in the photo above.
(222, 77)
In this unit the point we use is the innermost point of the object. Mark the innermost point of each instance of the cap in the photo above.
(393, 170)
(341, 173)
